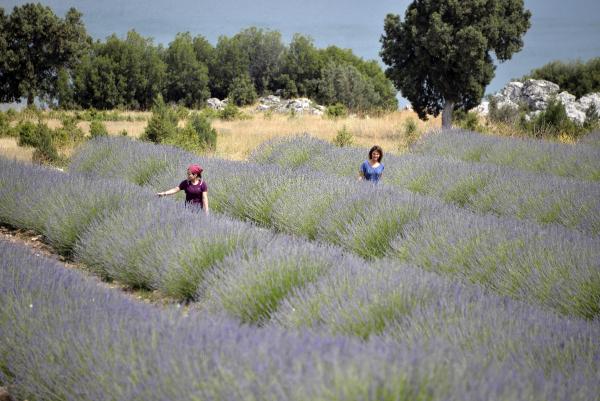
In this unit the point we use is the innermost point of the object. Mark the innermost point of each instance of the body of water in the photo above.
(561, 30)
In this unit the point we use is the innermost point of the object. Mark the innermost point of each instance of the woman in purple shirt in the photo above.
(196, 190)
(372, 169)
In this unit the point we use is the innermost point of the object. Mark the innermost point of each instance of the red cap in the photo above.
(195, 169)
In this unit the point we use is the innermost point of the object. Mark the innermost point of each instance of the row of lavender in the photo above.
(578, 161)
(482, 188)
(120, 231)
(548, 265)
(592, 139)
(65, 338)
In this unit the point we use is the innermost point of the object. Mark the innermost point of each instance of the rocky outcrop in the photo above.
(216, 104)
(536, 94)
(275, 103)
(300, 105)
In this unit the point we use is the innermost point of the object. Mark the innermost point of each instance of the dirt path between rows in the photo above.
(35, 242)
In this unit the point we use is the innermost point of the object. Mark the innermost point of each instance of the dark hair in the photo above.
(376, 148)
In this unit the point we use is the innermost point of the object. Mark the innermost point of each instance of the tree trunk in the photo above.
(30, 98)
(447, 114)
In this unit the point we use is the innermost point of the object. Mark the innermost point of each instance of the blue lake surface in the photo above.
(560, 30)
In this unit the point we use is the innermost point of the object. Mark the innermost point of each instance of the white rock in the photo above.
(512, 91)
(483, 109)
(575, 113)
(589, 99)
(215, 103)
(566, 98)
(538, 92)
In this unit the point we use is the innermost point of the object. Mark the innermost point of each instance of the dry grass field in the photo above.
(10, 150)
(238, 138)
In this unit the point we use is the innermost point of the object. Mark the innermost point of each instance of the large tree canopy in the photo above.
(187, 77)
(36, 45)
(128, 73)
(440, 57)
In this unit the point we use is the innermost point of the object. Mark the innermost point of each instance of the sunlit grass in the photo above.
(238, 138)
(10, 150)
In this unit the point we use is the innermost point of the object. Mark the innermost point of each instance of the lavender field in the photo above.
(302, 284)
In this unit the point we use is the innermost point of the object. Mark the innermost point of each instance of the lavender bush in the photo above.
(252, 288)
(475, 248)
(591, 139)
(163, 246)
(66, 338)
(482, 188)
(411, 305)
(548, 267)
(59, 206)
(20, 200)
(577, 161)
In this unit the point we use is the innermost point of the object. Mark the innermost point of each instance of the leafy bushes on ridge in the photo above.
(576, 77)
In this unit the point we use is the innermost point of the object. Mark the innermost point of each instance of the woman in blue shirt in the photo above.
(372, 169)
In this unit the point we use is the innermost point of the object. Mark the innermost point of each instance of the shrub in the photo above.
(337, 110)
(40, 137)
(592, 118)
(411, 132)
(343, 138)
(186, 138)
(207, 135)
(182, 112)
(11, 114)
(503, 114)
(467, 120)
(553, 121)
(124, 132)
(230, 112)
(5, 129)
(97, 128)
(28, 134)
(69, 134)
(162, 124)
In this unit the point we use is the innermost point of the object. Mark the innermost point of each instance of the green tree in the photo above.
(302, 64)
(64, 91)
(36, 44)
(95, 83)
(231, 62)
(128, 73)
(4, 76)
(440, 58)
(371, 72)
(264, 50)
(242, 91)
(576, 77)
(187, 78)
(343, 83)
